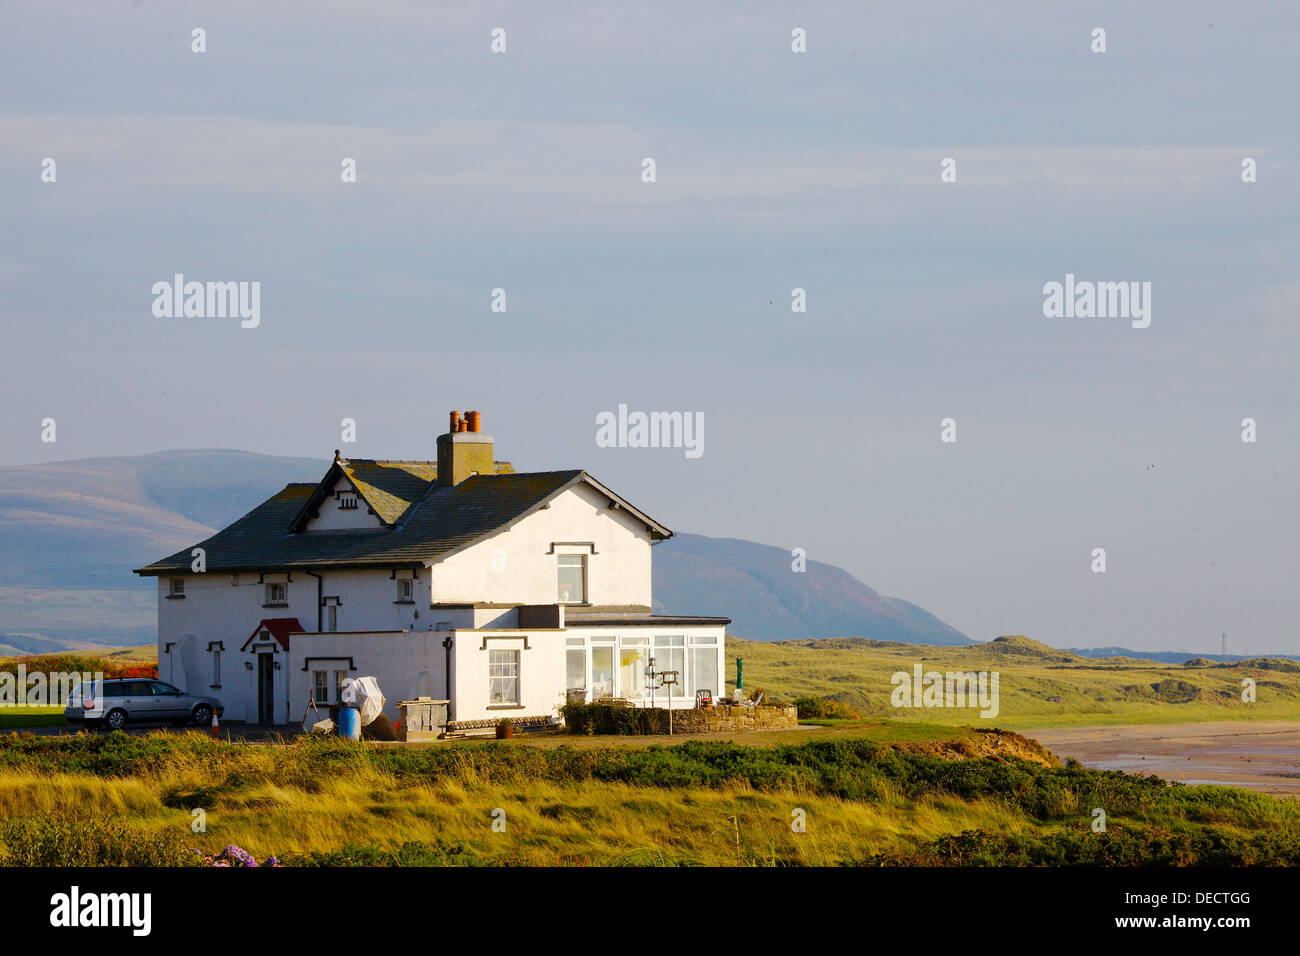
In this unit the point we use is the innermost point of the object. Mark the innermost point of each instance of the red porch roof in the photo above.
(279, 627)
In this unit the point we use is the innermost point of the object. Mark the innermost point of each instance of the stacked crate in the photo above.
(421, 719)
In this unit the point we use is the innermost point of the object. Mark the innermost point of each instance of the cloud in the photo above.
(525, 173)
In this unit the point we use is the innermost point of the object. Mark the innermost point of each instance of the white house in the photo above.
(459, 579)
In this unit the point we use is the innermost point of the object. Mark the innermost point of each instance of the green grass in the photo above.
(17, 718)
(947, 798)
(857, 672)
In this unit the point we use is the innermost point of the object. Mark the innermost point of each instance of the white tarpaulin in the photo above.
(363, 694)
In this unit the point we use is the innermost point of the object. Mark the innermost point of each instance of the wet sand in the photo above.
(1262, 756)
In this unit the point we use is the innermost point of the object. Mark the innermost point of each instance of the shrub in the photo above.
(1118, 846)
(614, 717)
(437, 853)
(236, 858)
(825, 708)
(55, 841)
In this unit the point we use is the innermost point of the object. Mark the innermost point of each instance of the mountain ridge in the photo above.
(72, 530)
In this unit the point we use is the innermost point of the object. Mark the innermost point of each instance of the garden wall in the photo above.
(722, 718)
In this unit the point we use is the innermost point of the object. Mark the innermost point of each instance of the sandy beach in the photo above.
(1262, 756)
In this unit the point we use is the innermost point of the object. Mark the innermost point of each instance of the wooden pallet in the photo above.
(531, 723)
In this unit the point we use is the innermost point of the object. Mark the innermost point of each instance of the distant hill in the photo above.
(91, 521)
(754, 585)
(72, 531)
(1167, 657)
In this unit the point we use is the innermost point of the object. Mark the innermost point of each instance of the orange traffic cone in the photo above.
(216, 730)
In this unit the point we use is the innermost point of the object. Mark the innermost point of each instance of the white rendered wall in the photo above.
(333, 518)
(515, 566)
(411, 664)
(406, 664)
(215, 609)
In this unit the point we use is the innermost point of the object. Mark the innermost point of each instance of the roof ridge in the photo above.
(391, 461)
(525, 474)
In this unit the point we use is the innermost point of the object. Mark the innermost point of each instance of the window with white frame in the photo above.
(320, 688)
(575, 664)
(602, 667)
(405, 590)
(331, 618)
(339, 678)
(277, 593)
(633, 658)
(704, 666)
(176, 587)
(670, 655)
(571, 578)
(503, 678)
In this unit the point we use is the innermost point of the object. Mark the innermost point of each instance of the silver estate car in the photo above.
(114, 703)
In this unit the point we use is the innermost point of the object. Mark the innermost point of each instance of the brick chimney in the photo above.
(464, 450)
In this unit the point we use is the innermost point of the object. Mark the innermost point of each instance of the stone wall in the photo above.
(706, 720)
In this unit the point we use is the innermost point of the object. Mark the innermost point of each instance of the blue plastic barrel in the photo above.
(350, 723)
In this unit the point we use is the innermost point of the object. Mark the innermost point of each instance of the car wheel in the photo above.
(203, 715)
(115, 720)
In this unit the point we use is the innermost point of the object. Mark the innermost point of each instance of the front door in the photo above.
(265, 688)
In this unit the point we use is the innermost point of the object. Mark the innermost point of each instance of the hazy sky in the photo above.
(775, 170)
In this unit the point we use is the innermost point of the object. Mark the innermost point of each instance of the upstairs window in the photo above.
(277, 594)
(571, 578)
(405, 591)
(176, 587)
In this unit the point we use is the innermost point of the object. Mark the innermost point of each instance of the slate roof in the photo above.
(390, 488)
(441, 521)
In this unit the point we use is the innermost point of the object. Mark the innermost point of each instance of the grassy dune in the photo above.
(1091, 691)
(965, 797)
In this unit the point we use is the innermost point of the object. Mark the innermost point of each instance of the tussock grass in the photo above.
(333, 802)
